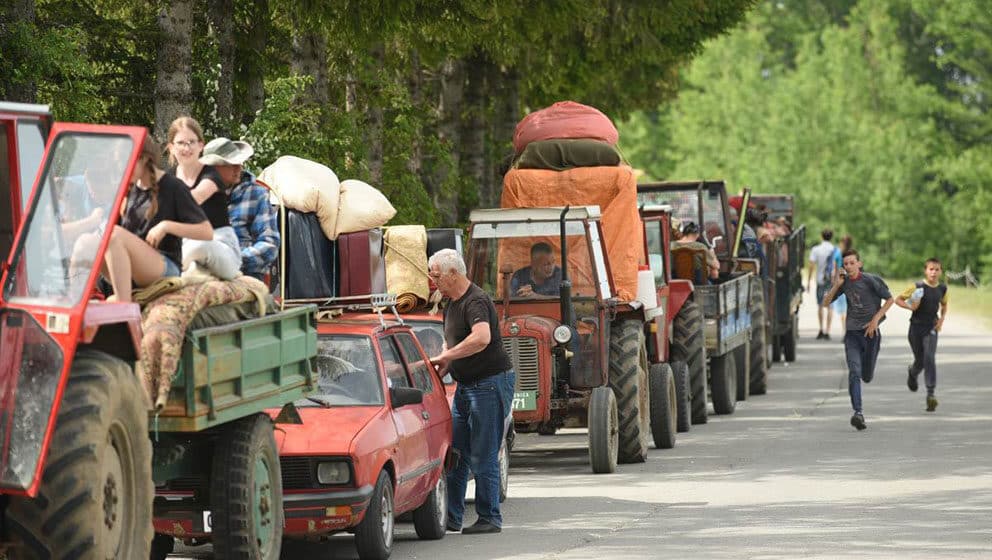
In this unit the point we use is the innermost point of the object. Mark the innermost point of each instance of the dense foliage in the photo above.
(417, 97)
(874, 113)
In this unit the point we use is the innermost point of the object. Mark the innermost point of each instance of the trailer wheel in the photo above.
(604, 430)
(628, 379)
(664, 409)
(759, 341)
(374, 535)
(724, 381)
(504, 472)
(683, 397)
(246, 492)
(689, 346)
(743, 375)
(95, 498)
(789, 341)
(429, 520)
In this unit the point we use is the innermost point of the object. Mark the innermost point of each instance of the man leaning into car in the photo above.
(475, 357)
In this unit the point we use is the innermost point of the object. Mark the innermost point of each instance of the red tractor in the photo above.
(583, 357)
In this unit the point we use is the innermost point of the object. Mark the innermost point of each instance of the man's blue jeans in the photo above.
(478, 414)
(862, 353)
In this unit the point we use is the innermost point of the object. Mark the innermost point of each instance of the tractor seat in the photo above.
(689, 263)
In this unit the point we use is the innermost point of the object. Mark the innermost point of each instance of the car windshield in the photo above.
(685, 207)
(76, 193)
(526, 258)
(347, 373)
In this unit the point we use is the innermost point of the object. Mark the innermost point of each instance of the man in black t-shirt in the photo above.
(475, 357)
(925, 299)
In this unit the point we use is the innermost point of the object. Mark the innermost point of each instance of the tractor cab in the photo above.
(52, 267)
(553, 320)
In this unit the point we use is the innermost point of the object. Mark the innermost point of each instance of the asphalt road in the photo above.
(785, 477)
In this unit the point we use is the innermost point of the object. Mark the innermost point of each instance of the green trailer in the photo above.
(215, 463)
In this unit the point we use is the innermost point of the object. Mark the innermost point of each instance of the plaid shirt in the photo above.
(254, 221)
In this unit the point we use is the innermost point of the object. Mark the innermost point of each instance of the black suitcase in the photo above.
(311, 258)
(444, 238)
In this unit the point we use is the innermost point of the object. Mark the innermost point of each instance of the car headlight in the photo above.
(562, 334)
(334, 472)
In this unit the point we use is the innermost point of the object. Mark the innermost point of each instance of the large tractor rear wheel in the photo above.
(246, 492)
(663, 407)
(95, 499)
(759, 340)
(683, 396)
(628, 379)
(724, 382)
(689, 346)
(604, 430)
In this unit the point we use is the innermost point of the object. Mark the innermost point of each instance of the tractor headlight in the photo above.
(335, 472)
(562, 334)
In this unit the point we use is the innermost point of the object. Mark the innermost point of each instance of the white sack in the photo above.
(306, 186)
(362, 207)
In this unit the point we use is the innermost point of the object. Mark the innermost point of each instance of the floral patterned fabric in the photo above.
(165, 319)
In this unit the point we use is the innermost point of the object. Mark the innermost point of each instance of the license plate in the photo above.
(525, 400)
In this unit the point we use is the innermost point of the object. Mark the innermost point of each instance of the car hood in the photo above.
(324, 430)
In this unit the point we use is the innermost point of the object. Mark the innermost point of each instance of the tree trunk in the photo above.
(310, 59)
(221, 20)
(254, 63)
(473, 137)
(172, 86)
(415, 82)
(374, 114)
(450, 92)
(21, 11)
(505, 118)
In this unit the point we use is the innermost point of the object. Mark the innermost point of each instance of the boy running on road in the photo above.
(924, 298)
(868, 299)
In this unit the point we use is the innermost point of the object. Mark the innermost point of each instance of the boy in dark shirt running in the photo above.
(924, 299)
(868, 299)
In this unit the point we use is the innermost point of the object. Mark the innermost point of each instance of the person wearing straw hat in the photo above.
(251, 214)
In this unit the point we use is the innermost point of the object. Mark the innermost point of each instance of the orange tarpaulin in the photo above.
(613, 189)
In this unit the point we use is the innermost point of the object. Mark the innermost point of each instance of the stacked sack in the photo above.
(334, 238)
(566, 154)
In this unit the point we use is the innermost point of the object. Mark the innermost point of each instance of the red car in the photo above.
(374, 442)
(429, 329)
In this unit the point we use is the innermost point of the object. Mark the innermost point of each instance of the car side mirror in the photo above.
(403, 396)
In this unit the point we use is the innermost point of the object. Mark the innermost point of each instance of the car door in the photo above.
(435, 401)
(412, 454)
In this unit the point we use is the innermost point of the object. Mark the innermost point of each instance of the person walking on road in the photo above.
(840, 305)
(475, 357)
(925, 298)
(821, 257)
(868, 299)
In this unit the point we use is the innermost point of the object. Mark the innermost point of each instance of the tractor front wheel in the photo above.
(664, 410)
(604, 430)
(95, 499)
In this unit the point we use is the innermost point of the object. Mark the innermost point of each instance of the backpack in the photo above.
(828, 270)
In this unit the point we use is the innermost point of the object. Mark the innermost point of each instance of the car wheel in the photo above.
(430, 518)
(374, 535)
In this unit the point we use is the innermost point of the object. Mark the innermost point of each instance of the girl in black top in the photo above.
(221, 255)
(158, 211)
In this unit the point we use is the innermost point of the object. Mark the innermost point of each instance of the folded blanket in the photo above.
(406, 266)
